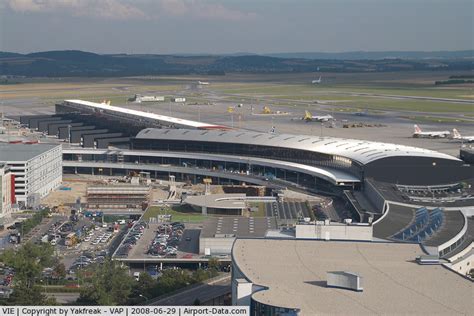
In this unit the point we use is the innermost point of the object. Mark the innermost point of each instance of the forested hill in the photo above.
(79, 64)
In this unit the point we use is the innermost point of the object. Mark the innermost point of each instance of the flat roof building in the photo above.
(289, 277)
(117, 196)
(37, 169)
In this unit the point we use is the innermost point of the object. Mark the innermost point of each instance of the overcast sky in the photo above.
(258, 26)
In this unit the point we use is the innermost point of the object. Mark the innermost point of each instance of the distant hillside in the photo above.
(81, 64)
(7, 55)
(379, 55)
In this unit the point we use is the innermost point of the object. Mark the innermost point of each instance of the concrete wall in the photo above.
(63, 130)
(43, 124)
(463, 261)
(241, 292)
(344, 280)
(121, 142)
(45, 172)
(463, 267)
(53, 129)
(5, 195)
(216, 245)
(38, 176)
(89, 140)
(374, 195)
(334, 232)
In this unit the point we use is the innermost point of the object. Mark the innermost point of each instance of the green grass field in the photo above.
(408, 90)
(377, 105)
(338, 91)
(308, 90)
(341, 95)
(414, 105)
(261, 209)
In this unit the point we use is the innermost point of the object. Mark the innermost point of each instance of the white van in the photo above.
(136, 275)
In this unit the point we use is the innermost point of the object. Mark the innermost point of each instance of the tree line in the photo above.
(108, 283)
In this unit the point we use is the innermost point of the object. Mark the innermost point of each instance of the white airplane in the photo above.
(458, 136)
(308, 117)
(316, 81)
(203, 83)
(362, 113)
(418, 133)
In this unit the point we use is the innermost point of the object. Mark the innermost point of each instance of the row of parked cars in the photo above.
(100, 238)
(165, 244)
(86, 259)
(135, 233)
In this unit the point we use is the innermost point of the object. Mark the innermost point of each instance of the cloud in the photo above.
(203, 10)
(127, 9)
(101, 9)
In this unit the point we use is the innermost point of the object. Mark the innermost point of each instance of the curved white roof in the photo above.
(140, 114)
(361, 151)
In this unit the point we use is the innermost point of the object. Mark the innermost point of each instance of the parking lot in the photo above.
(134, 240)
(160, 240)
(166, 241)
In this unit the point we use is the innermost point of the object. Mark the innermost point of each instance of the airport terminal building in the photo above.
(308, 161)
(283, 159)
(385, 185)
(336, 160)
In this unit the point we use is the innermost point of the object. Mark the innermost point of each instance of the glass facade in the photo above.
(309, 182)
(260, 309)
(271, 152)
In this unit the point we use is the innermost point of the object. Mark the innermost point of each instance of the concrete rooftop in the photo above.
(238, 226)
(22, 152)
(295, 273)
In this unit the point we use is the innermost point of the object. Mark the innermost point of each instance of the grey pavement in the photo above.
(191, 246)
(203, 293)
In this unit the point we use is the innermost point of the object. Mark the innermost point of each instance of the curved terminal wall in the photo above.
(417, 170)
(249, 150)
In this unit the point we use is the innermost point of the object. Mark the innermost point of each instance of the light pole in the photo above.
(143, 296)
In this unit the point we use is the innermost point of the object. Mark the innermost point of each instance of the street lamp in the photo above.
(143, 296)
